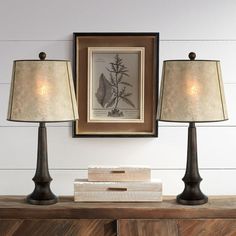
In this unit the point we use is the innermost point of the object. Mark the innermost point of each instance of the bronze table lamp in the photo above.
(192, 91)
(42, 91)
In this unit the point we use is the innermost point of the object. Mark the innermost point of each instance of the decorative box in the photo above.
(119, 173)
(85, 191)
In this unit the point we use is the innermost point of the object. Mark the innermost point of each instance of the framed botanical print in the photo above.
(116, 83)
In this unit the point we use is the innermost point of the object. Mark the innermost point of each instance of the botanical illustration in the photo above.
(111, 91)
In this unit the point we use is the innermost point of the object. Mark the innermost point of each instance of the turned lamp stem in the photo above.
(42, 194)
(192, 194)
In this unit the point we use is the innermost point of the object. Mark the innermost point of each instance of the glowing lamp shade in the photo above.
(192, 91)
(42, 91)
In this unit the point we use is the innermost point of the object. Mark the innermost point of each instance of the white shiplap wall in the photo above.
(206, 27)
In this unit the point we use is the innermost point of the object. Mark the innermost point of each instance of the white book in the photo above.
(119, 173)
(85, 191)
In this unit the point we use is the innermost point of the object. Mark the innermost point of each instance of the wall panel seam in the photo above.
(153, 169)
(160, 126)
(161, 40)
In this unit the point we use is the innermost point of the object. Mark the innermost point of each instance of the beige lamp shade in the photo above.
(192, 91)
(42, 91)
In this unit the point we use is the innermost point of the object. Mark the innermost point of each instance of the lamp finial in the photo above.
(42, 56)
(192, 56)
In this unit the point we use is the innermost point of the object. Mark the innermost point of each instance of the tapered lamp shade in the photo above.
(42, 91)
(192, 91)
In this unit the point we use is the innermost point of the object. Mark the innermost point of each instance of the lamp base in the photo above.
(181, 200)
(42, 194)
(33, 201)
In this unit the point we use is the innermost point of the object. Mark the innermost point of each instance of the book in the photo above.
(119, 173)
(85, 191)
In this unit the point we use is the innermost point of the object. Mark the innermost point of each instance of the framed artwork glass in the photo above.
(116, 83)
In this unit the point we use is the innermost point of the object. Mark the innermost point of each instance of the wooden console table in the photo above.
(66, 218)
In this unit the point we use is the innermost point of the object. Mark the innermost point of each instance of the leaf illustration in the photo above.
(112, 79)
(128, 101)
(109, 70)
(113, 66)
(119, 79)
(127, 94)
(111, 103)
(117, 73)
(125, 83)
(104, 91)
(124, 73)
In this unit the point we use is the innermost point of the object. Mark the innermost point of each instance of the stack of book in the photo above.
(118, 184)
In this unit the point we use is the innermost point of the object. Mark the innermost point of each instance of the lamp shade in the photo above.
(42, 91)
(192, 91)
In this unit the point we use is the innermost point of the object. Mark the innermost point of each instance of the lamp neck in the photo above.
(192, 173)
(42, 124)
(42, 160)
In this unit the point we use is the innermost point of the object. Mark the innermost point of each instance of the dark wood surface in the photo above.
(217, 207)
(57, 227)
(200, 227)
(67, 218)
(147, 228)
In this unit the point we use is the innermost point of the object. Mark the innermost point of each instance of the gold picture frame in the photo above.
(116, 83)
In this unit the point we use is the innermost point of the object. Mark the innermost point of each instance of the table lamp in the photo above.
(42, 91)
(192, 91)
